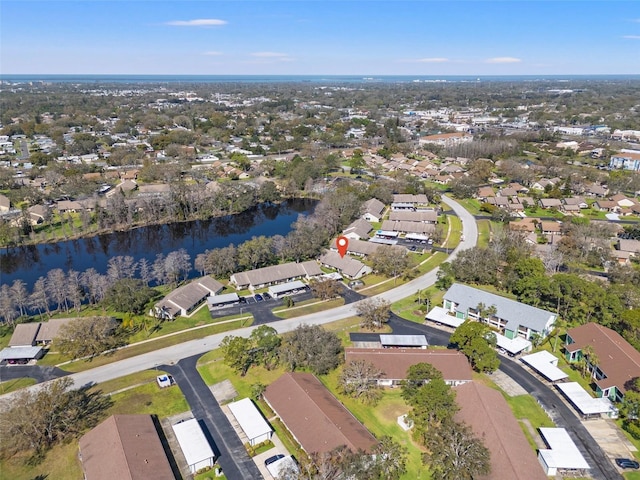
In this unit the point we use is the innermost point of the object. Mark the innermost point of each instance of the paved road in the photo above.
(40, 374)
(231, 454)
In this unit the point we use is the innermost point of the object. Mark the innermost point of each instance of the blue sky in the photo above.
(320, 37)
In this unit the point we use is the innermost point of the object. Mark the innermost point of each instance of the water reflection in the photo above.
(30, 262)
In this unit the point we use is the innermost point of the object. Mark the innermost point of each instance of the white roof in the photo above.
(387, 233)
(545, 364)
(226, 298)
(583, 401)
(562, 452)
(405, 340)
(512, 345)
(285, 287)
(250, 419)
(192, 441)
(384, 241)
(416, 236)
(19, 353)
(440, 315)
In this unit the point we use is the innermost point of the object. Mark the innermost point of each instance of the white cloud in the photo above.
(631, 37)
(432, 60)
(199, 22)
(213, 54)
(503, 60)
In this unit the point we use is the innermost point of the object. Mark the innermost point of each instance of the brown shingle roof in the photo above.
(50, 329)
(124, 447)
(489, 416)
(619, 361)
(277, 273)
(24, 334)
(316, 418)
(373, 206)
(395, 362)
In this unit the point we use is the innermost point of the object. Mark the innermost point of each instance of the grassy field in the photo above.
(472, 205)
(409, 308)
(484, 232)
(60, 463)
(80, 365)
(454, 233)
(17, 384)
(315, 306)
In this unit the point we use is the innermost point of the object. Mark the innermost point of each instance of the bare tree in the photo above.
(325, 289)
(373, 312)
(121, 267)
(75, 293)
(145, 271)
(177, 265)
(8, 307)
(39, 299)
(20, 296)
(57, 288)
(359, 379)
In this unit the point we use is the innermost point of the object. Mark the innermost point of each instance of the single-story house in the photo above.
(125, 447)
(184, 300)
(5, 204)
(414, 199)
(357, 247)
(285, 272)
(372, 210)
(24, 335)
(618, 362)
(512, 318)
(347, 266)
(487, 413)
(50, 329)
(550, 203)
(394, 363)
(358, 229)
(316, 419)
(408, 227)
(550, 227)
(630, 246)
(607, 206)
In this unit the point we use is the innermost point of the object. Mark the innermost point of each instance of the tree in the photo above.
(20, 296)
(390, 260)
(359, 379)
(589, 360)
(325, 289)
(456, 454)
(477, 341)
(129, 295)
(237, 353)
(390, 459)
(265, 344)
(312, 347)
(89, 336)
(40, 418)
(373, 312)
(417, 376)
(255, 253)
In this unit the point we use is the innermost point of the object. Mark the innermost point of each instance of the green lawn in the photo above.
(484, 232)
(17, 384)
(472, 205)
(139, 349)
(149, 399)
(409, 308)
(60, 463)
(454, 233)
(301, 309)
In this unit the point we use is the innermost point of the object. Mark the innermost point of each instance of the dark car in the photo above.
(266, 296)
(258, 297)
(242, 299)
(275, 458)
(627, 463)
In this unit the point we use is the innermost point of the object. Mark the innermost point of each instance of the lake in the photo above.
(30, 262)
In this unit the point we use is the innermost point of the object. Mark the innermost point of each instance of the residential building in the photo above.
(185, 299)
(487, 413)
(421, 216)
(511, 318)
(316, 419)
(630, 246)
(359, 248)
(626, 160)
(372, 210)
(550, 203)
(358, 229)
(285, 272)
(395, 362)
(5, 204)
(124, 447)
(346, 266)
(446, 139)
(550, 227)
(617, 361)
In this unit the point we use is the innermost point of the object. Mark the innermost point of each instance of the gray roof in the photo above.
(374, 207)
(360, 227)
(221, 299)
(50, 330)
(277, 273)
(515, 313)
(347, 265)
(408, 227)
(20, 353)
(358, 247)
(24, 335)
(627, 245)
(187, 296)
(410, 198)
(430, 216)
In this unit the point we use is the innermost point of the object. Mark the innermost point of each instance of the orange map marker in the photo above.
(343, 244)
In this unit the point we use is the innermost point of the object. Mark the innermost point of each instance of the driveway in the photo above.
(38, 373)
(230, 453)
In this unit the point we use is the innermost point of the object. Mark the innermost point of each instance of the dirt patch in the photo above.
(224, 391)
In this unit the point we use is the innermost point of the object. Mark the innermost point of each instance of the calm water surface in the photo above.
(29, 263)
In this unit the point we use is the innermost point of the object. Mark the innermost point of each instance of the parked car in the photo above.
(258, 297)
(242, 299)
(275, 458)
(266, 296)
(627, 463)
